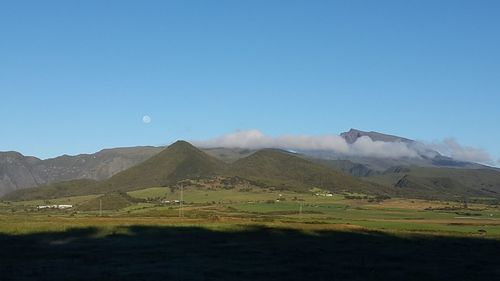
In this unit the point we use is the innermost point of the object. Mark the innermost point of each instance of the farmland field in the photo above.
(224, 206)
(220, 232)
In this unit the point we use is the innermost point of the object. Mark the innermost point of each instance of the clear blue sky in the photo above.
(78, 76)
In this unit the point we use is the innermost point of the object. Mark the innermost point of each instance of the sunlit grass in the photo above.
(230, 209)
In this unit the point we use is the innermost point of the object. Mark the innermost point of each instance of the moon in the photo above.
(146, 119)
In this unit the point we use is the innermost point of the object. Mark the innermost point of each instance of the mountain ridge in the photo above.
(275, 167)
(180, 161)
(280, 169)
(353, 135)
(18, 171)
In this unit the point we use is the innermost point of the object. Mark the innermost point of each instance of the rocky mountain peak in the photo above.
(353, 134)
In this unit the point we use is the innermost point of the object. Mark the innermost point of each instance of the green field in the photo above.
(248, 233)
(251, 205)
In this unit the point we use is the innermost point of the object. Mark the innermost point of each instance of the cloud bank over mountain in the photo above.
(255, 139)
(363, 147)
(451, 148)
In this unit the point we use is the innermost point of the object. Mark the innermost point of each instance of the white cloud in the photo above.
(451, 148)
(255, 139)
(364, 146)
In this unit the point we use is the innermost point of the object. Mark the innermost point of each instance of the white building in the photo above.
(54, 207)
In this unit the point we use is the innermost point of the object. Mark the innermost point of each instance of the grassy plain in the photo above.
(249, 233)
(250, 205)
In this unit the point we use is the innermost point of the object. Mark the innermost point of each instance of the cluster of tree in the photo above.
(371, 199)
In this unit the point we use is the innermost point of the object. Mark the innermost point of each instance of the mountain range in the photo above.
(18, 171)
(269, 168)
(426, 157)
(431, 175)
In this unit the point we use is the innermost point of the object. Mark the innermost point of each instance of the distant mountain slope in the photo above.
(427, 157)
(53, 190)
(346, 166)
(267, 167)
(18, 171)
(228, 155)
(282, 169)
(353, 135)
(98, 166)
(179, 161)
(441, 182)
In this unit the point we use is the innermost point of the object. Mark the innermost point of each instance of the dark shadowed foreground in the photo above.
(182, 253)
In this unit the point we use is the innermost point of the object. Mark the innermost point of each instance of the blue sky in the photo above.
(78, 76)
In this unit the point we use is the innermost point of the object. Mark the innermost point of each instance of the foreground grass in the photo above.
(250, 234)
(234, 251)
(228, 207)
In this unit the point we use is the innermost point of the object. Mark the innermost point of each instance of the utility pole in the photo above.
(181, 212)
(100, 207)
(300, 210)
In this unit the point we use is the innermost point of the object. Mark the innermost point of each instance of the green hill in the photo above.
(109, 201)
(179, 161)
(281, 169)
(441, 183)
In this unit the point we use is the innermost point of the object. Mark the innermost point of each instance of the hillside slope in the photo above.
(179, 161)
(281, 169)
(18, 171)
(441, 182)
(109, 201)
(53, 190)
(427, 157)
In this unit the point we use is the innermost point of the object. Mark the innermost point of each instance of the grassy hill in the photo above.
(179, 161)
(110, 201)
(281, 169)
(441, 183)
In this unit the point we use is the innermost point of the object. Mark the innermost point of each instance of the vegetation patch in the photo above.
(109, 201)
